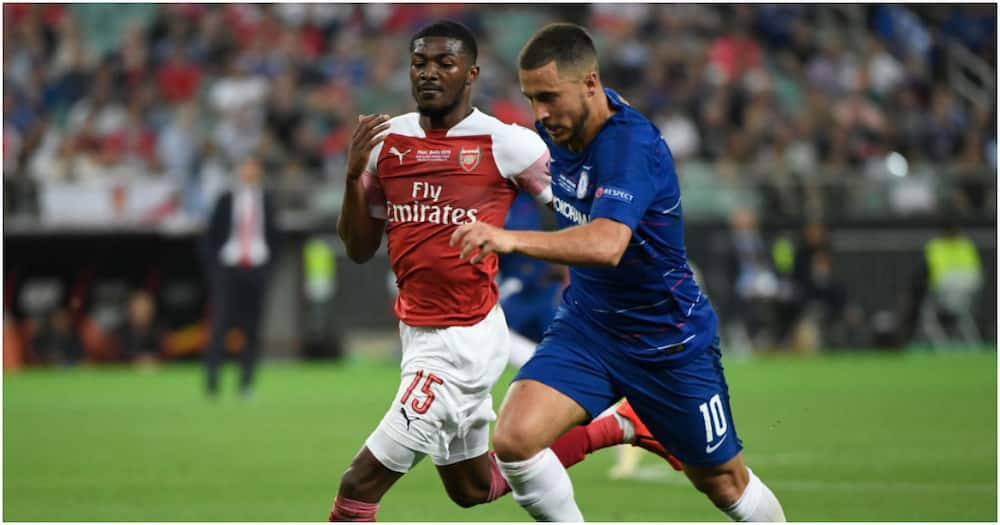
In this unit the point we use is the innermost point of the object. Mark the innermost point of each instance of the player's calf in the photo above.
(474, 481)
(737, 491)
(361, 488)
(366, 479)
(723, 484)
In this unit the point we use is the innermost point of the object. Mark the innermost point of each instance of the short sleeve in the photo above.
(522, 156)
(372, 166)
(625, 183)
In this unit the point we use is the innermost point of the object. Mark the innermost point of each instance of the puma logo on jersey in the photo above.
(398, 153)
(408, 419)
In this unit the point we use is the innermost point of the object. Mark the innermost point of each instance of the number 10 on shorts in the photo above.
(715, 418)
(416, 405)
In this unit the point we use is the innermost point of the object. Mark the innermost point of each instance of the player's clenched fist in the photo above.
(367, 135)
(484, 237)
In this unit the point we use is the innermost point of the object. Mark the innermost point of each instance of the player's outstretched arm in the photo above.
(361, 232)
(598, 243)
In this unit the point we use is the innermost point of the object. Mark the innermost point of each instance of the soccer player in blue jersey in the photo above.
(633, 322)
(529, 288)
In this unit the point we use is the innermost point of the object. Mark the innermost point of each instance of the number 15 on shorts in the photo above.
(715, 423)
(416, 405)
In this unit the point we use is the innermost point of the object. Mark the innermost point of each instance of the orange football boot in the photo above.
(644, 438)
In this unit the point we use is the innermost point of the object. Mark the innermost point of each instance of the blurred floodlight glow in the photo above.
(897, 165)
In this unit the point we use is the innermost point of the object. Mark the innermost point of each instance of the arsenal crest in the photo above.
(468, 159)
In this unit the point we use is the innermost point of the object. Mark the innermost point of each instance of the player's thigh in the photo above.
(686, 408)
(532, 416)
(564, 384)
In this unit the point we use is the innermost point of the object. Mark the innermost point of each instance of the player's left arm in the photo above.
(598, 243)
(523, 158)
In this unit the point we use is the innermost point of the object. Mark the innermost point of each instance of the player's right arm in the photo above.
(360, 231)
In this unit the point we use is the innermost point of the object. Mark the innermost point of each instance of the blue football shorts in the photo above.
(686, 407)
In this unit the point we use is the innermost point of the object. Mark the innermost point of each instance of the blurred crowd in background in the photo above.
(759, 99)
(131, 114)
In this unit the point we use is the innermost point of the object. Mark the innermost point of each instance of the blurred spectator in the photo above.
(133, 145)
(820, 300)
(284, 112)
(944, 127)
(179, 145)
(735, 53)
(321, 337)
(240, 246)
(178, 78)
(885, 73)
(56, 340)
(946, 288)
(681, 134)
(755, 285)
(141, 335)
(902, 27)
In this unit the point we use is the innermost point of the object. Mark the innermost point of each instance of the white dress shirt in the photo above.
(246, 245)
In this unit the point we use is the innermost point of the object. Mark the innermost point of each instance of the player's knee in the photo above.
(513, 443)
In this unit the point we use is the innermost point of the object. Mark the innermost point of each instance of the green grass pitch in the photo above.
(838, 438)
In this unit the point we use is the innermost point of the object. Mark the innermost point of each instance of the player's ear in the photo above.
(472, 75)
(592, 83)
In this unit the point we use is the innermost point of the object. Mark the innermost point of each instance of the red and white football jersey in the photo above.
(425, 183)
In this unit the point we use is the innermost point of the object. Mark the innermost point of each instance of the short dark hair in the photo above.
(450, 29)
(568, 44)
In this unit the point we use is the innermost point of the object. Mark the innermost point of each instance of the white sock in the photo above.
(628, 429)
(521, 349)
(757, 503)
(541, 485)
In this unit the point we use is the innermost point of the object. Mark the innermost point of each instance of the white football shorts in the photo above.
(443, 408)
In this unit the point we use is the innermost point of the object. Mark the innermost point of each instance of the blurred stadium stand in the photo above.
(120, 123)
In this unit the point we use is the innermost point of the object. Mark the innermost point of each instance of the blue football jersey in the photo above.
(649, 304)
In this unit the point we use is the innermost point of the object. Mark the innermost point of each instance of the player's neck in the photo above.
(446, 121)
(600, 112)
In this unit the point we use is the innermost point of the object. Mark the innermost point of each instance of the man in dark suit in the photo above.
(239, 248)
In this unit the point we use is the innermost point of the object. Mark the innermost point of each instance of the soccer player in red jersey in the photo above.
(417, 177)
